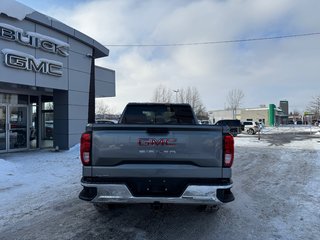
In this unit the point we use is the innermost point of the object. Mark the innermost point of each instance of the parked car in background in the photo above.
(290, 122)
(205, 122)
(251, 127)
(316, 123)
(106, 121)
(235, 126)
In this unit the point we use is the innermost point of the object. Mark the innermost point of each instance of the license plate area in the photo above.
(157, 187)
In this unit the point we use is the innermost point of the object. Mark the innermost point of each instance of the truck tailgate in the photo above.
(199, 146)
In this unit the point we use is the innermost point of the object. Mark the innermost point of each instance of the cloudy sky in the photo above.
(266, 71)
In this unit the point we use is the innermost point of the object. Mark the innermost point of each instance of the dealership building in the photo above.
(45, 72)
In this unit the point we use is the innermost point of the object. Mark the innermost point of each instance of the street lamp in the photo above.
(176, 91)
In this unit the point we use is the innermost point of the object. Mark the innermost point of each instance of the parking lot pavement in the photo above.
(275, 185)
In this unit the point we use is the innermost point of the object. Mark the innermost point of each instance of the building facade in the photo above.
(284, 106)
(44, 82)
(216, 115)
(269, 116)
(256, 114)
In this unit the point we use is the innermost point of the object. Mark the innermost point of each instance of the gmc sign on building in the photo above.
(46, 68)
(23, 61)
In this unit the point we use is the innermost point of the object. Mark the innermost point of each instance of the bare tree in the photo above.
(314, 107)
(182, 96)
(202, 113)
(162, 94)
(296, 112)
(189, 95)
(102, 108)
(234, 100)
(193, 98)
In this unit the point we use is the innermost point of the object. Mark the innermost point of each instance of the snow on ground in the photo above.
(276, 133)
(291, 129)
(296, 171)
(28, 178)
(31, 182)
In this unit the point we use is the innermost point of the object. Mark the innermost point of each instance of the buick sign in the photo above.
(35, 40)
(19, 60)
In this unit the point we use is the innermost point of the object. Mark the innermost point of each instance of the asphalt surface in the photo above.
(270, 204)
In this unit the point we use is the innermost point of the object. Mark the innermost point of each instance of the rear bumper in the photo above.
(119, 193)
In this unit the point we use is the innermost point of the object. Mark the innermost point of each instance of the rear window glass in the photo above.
(158, 114)
(229, 123)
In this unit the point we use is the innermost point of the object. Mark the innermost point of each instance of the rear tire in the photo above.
(250, 131)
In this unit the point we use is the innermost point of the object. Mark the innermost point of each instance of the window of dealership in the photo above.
(26, 122)
(46, 68)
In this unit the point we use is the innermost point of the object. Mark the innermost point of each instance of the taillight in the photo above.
(85, 148)
(228, 150)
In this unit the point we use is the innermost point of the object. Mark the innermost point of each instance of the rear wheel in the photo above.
(250, 131)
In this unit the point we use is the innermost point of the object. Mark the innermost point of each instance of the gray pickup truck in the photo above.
(156, 154)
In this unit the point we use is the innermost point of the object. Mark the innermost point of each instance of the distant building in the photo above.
(269, 116)
(284, 106)
(217, 115)
(256, 114)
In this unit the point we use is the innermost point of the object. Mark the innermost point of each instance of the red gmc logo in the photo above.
(157, 142)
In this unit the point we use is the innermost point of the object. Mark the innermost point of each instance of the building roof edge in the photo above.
(20, 12)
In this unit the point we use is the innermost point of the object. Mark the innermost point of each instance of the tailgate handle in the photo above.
(158, 130)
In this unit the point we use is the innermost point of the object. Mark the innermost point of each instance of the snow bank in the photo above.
(290, 129)
(6, 168)
(30, 180)
(309, 143)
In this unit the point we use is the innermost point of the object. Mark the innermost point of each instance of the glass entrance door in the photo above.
(18, 127)
(3, 128)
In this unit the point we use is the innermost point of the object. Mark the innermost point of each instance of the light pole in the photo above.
(176, 91)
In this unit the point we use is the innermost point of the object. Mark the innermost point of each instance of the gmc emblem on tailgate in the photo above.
(157, 142)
